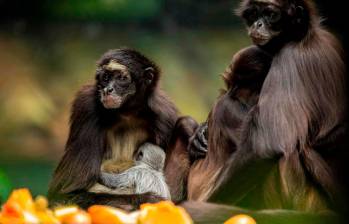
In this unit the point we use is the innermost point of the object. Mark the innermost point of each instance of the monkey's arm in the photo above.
(165, 117)
(177, 162)
(246, 169)
(80, 166)
(122, 180)
(225, 118)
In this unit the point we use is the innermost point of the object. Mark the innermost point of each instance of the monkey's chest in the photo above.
(123, 141)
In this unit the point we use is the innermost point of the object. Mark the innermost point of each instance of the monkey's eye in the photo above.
(124, 78)
(140, 156)
(272, 16)
(106, 77)
(250, 15)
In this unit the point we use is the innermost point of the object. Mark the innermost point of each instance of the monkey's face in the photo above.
(267, 20)
(125, 78)
(263, 20)
(115, 84)
(151, 155)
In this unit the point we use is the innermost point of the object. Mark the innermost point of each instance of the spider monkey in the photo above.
(244, 78)
(110, 120)
(287, 152)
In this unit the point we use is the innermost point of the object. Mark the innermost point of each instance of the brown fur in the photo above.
(177, 159)
(116, 166)
(284, 153)
(98, 134)
(301, 103)
(244, 78)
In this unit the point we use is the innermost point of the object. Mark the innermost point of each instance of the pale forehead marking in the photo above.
(267, 1)
(114, 65)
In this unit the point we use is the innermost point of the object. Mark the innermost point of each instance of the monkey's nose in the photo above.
(108, 90)
(259, 24)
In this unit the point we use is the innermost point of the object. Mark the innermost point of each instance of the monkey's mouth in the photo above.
(112, 101)
(258, 38)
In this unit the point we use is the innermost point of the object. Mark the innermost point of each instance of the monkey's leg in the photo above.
(177, 163)
(101, 189)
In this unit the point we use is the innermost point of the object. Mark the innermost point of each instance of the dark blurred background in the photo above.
(48, 49)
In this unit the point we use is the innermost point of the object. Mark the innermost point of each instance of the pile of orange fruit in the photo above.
(21, 208)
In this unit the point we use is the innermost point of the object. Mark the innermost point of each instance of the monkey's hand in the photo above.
(114, 181)
(198, 142)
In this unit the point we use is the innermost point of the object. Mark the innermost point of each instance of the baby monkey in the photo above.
(145, 177)
(246, 74)
(244, 79)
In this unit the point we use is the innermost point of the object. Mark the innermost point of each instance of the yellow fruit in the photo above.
(108, 215)
(163, 212)
(47, 217)
(241, 219)
(41, 203)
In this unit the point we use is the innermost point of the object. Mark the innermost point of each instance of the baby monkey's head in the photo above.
(151, 155)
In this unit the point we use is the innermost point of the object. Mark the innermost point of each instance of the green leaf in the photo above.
(5, 187)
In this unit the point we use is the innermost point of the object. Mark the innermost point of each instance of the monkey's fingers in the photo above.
(198, 143)
(200, 148)
(196, 150)
(202, 135)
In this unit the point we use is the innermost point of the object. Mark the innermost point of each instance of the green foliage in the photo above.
(5, 187)
(27, 173)
(110, 10)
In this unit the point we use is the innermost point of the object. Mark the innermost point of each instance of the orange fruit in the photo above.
(241, 219)
(41, 203)
(72, 215)
(22, 198)
(163, 212)
(47, 217)
(108, 215)
(43, 213)
(19, 208)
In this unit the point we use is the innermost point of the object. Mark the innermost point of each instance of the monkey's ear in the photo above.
(149, 75)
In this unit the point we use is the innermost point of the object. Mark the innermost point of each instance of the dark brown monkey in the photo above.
(244, 78)
(245, 75)
(178, 160)
(110, 120)
(285, 155)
